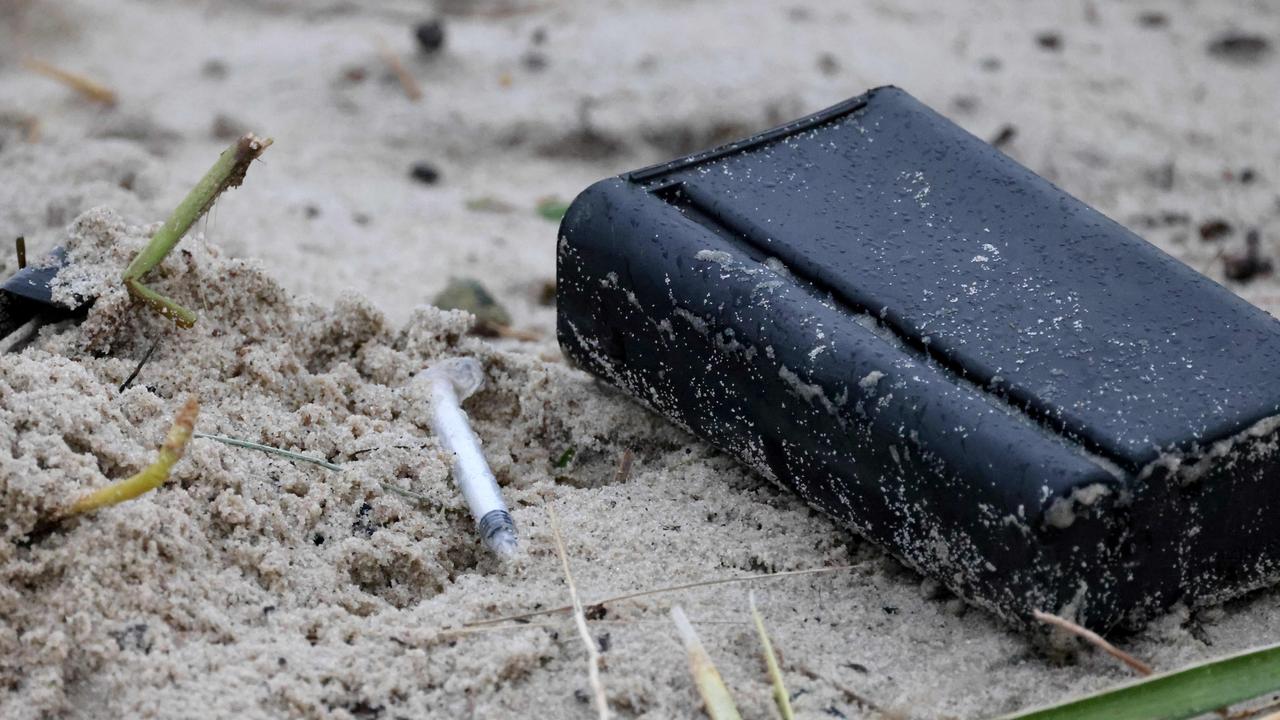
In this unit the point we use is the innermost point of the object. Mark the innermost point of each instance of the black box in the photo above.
(927, 341)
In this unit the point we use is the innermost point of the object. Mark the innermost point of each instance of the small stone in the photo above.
(991, 64)
(1240, 48)
(214, 69)
(534, 61)
(468, 294)
(1152, 19)
(355, 73)
(547, 293)
(430, 35)
(1051, 41)
(1243, 267)
(828, 64)
(425, 173)
(1215, 229)
(1004, 136)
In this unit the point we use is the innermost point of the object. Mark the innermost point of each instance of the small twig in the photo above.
(580, 619)
(228, 172)
(308, 459)
(90, 89)
(662, 590)
(624, 466)
(21, 245)
(1096, 640)
(410, 85)
(152, 476)
(137, 369)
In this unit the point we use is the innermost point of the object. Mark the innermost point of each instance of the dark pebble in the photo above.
(1049, 41)
(1215, 229)
(425, 173)
(355, 73)
(534, 61)
(991, 64)
(430, 35)
(1240, 48)
(1248, 175)
(1243, 267)
(1004, 136)
(214, 69)
(828, 64)
(964, 103)
(1153, 19)
(538, 36)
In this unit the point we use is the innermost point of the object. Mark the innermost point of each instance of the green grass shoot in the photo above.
(565, 458)
(781, 698)
(152, 476)
(226, 173)
(1184, 693)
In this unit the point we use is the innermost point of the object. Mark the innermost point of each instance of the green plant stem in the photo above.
(152, 476)
(307, 459)
(226, 173)
(781, 698)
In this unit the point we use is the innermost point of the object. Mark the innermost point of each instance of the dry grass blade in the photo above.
(1095, 640)
(153, 475)
(663, 590)
(410, 85)
(580, 619)
(780, 696)
(90, 89)
(236, 442)
(715, 694)
(624, 466)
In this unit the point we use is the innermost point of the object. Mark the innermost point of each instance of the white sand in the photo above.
(210, 597)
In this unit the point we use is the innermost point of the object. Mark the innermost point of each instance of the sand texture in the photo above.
(251, 586)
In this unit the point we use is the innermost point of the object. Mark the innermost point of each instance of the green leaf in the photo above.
(1182, 693)
(565, 458)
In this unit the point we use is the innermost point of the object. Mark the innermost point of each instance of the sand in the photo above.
(251, 586)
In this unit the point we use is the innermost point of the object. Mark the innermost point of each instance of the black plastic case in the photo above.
(1009, 391)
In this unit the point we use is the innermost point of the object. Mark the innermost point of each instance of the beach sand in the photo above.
(252, 586)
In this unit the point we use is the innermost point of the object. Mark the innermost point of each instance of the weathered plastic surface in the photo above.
(28, 293)
(931, 343)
